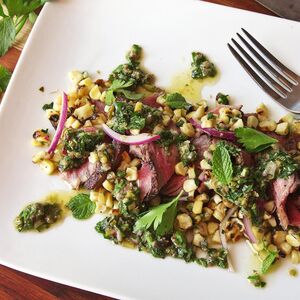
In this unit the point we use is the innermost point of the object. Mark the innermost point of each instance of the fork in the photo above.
(278, 81)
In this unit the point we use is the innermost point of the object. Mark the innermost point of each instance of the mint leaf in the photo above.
(253, 140)
(222, 165)
(176, 100)
(22, 7)
(161, 218)
(5, 76)
(7, 34)
(81, 206)
(130, 95)
(268, 261)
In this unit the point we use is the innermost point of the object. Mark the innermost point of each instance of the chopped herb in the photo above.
(188, 153)
(210, 116)
(47, 106)
(42, 89)
(161, 218)
(256, 280)
(222, 165)
(5, 76)
(81, 206)
(253, 140)
(176, 101)
(201, 66)
(222, 99)
(268, 261)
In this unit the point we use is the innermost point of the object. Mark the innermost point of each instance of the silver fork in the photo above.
(278, 81)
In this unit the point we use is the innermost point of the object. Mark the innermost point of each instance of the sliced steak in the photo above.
(282, 189)
(286, 142)
(293, 210)
(147, 181)
(99, 106)
(151, 100)
(173, 186)
(202, 144)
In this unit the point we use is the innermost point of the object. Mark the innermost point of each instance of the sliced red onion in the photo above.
(230, 212)
(226, 135)
(139, 139)
(248, 230)
(61, 124)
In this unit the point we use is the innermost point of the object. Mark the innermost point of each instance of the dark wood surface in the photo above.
(15, 285)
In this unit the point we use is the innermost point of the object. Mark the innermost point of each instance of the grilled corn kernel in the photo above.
(76, 124)
(269, 206)
(197, 207)
(188, 129)
(94, 196)
(217, 198)
(184, 221)
(138, 107)
(219, 215)
(160, 99)
(295, 257)
(88, 123)
(272, 222)
(108, 185)
(199, 112)
(75, 76)
(279, 237)
(203, 197)
(252, 122)
(99, 120)
(39, 157)
(212, 227)
(36, 143)
(238, 124)
(282, 128)
(287, 118)
(135, 162)
(180, 169)
(204, 165)
(86, 82)
(166, 120)
(286, 248)
(101, 197)
(207, 213)
(93, 157)
(293, 240)
(109, 200)
(103, 96)
(257, 233)
(95, 93)
(236, 112)
(84, 112)
(197, 239)
(216, 238)
(131, 174)
(262, 112)
(47, 166)
(267, 125)
(191, 173)
(135, 131)
(207, 123)
(189, 185)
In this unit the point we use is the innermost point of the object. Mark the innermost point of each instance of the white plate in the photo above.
(94, 35)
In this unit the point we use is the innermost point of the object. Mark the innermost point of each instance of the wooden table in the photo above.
(16, 285)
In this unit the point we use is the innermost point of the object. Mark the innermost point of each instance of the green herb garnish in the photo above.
(222, 165)
(256, 280)
(201, 66)
(253, 140)
(47, 106)
(222, 99)
(176, 100)
(5, 76)
(81, 206)
(268, 261)
(115, 86)
(160, 217)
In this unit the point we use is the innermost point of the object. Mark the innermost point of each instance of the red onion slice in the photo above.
(139, 139)
(248, 230)
(230, 212)
(61, 124)
(226, 135)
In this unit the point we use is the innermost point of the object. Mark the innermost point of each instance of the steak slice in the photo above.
(293, 210)
(147, 181)
(202, 144)
(173, 186)
(151, 100)
(282, 189)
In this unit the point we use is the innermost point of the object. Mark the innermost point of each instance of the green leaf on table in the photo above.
(161, 217)
(268, 261)
(81, 206)
(176, 100)
(222, 165)
(253, 140)
(22, 7)
(7, 34)
(5, 76)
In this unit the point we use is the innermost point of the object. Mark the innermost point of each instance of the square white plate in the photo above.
(95, 35)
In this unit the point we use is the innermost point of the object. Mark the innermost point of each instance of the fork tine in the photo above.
(253, 74)
(282, 79)
(272, 58)
(261, 70)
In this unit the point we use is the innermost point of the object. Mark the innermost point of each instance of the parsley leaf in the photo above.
(256, 280)
(160, 217)
(115, 86)
(253, 140)
(222, 165)
(176, 100)
(81, 206)
(22, 7)
(4, 78)
(7, 34)
(268, 261)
